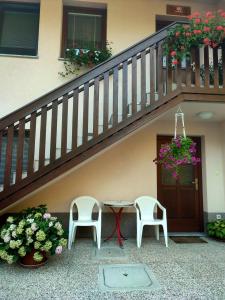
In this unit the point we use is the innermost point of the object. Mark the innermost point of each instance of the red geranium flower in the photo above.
(206, 29)
(177, 33)
(173, 53)
(175, 62)
(197, 21)
(208, 14)
(219, 27)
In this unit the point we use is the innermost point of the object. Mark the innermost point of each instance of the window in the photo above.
(19, 25)
(84, 28)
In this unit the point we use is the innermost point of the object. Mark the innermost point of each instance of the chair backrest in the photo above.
(85, 205)
(146, 205)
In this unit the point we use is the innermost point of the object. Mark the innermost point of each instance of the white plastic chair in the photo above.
(85, 205)
(145, 207)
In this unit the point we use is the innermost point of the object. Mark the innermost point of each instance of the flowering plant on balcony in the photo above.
(76, 58)
(32, 231)
(202, 29)
(181, 151)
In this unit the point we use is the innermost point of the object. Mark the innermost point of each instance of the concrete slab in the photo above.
(126, 277)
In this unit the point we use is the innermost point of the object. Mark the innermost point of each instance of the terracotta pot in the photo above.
(28, 262)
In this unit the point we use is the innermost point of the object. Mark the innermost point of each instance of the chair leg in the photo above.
(94, 233)
(70, 237)
(98, 229)
(157, 232)
(165, 233)
(140, 236)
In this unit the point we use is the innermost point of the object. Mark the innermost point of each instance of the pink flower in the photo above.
(223, 14)
(219, 27)
(175, 62)
(188, 33)
(197, 21)
(197, 31)
(196, 14)
(214, 45)
(175, 175)
(208, 14)
(46, 216)
(206, 41)
(206, 29)
(206, 21)
(177, 33)
(58, 250)
(173, 53)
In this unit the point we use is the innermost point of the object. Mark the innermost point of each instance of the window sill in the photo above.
(19, 56)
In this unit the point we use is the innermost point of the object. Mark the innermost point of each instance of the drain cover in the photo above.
(109, 252)
(126, 277)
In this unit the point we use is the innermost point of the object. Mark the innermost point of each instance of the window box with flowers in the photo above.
(30, 237)
(76, 58)
(207, 29)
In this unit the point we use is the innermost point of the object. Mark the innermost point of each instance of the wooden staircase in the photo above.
(63, 128)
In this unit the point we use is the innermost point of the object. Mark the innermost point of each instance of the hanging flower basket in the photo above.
(203, 29)
(179, 152)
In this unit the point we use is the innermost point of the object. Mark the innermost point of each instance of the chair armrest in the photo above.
(137, 211)
(163, 209)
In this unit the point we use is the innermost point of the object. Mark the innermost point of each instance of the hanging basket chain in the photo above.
(179, 115)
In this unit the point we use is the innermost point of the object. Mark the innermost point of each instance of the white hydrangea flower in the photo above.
(30, 220)
(34, 226)
(12, 227)
(14, 234)
(50, 224)
(7, 238)
(58, 226)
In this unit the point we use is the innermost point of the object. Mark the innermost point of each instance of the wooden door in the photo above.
(183, 197)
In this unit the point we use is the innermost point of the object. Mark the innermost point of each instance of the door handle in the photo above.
(195, 182)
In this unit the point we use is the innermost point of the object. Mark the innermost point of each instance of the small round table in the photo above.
(119, 205)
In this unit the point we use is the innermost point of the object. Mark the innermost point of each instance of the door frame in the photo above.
(199, 173)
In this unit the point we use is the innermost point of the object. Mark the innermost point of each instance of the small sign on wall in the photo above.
(178, 10)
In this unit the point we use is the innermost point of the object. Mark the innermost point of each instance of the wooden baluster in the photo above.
(8, 162)
(143, 80)
(152, 75)
(20, 146)
(1, 137)
(192, 66)
(64, 125)
(206, 66)
(125, 103)
(75, 120)
(215, 67)
(54, 131)
(85, 113)
(160, 70)
(96, 108)
(169, 75)
(115, 96)
(31, 150)
(197, 67)
(134, 84)
(42, 137)
(106, 102)
(223, 64)
(188, 71)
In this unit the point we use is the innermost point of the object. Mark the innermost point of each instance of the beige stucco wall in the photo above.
(128, 21)
(126, 171)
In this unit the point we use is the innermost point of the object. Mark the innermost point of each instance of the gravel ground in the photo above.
(184, 271)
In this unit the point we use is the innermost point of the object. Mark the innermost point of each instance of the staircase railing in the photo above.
(64, 123)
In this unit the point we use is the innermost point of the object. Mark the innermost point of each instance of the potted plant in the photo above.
(216, 229)
(181, 151)
(30, 237)
(76, 58)
(202, 29)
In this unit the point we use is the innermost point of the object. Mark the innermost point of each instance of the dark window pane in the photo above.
(19, 29)
(84, 31)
